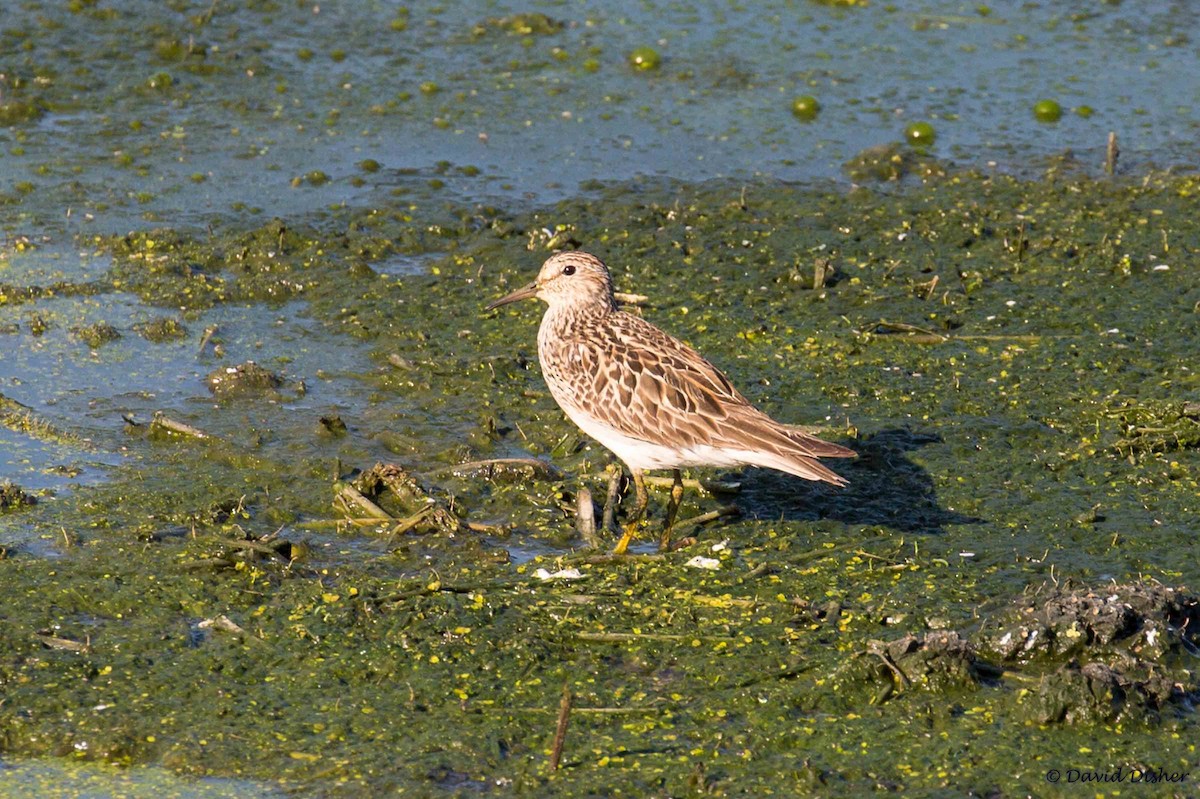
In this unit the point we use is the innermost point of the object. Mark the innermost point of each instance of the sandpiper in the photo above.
(648, 397)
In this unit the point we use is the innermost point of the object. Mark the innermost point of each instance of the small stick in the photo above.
(657, 481)
(490, 529)
(325, 524)
(611, 557)
(616, 638)
(222, 622)
(56, 642)
(412, 521)
(630, 299)
(610, 501)
(903, 327)
(169, 424)
(497, 467)
(704, 518)
(822, 270)
(209, 331)
(560, 730)
(1111, 153)
(207, 563)
(585, 518)
(351, 497)
(613, 711)
(929, 287)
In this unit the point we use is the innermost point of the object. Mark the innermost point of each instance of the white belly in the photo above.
(638, 454)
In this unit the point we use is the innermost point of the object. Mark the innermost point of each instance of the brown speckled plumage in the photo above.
(647, 396)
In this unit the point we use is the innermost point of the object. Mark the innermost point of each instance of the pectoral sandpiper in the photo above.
(648, 397)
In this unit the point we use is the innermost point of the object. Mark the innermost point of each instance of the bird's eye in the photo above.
(569, 269)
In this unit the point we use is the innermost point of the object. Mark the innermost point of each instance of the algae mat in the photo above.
(998, 600)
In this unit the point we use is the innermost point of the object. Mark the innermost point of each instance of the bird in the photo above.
(651, 399)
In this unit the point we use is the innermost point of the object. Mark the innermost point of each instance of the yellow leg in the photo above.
(664, 541)
(635, 517)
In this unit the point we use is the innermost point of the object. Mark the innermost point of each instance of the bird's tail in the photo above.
(791, 450)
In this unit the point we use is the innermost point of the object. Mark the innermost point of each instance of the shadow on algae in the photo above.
(997, 600)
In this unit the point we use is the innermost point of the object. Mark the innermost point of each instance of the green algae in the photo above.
(231, 623)
(1161, 426)
(12, 497)
(96, 335)
(162, 329)
(1009, 358)
(527, 24)
(23, 419)
(243, 380)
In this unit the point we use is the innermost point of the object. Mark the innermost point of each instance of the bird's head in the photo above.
(568, 280)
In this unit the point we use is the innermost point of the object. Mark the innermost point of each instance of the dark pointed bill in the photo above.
(523, 293)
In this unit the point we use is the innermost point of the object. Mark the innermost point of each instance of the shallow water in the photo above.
(261, 95)
(1011, 357)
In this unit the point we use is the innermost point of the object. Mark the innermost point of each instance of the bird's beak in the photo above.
(523, 293)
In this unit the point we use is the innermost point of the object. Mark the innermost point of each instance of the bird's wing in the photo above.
(650, 386)
(646, 384)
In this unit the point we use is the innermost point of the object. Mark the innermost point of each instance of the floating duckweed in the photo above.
(1047, 111)
(304, 54)
(37, 324)
(920, 133)
(338, 56)
(12, 497)
(1084, 111)
(532, 23)
(160, 81)
(429, 87)
(368, 165)
(97, 335)
(806, 107)
(591, 65)
(14, 111)
(244, 380)
(161, 330)
(644, 58)
(169, 49)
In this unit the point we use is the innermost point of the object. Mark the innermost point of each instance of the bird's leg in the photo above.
(664, 541)
(635, 517)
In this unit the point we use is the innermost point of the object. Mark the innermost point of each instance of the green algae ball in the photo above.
(920, 133)
(644, 58)
(806, 107)
(1047, 111)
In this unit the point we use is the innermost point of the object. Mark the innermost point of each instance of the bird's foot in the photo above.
(626, 537)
